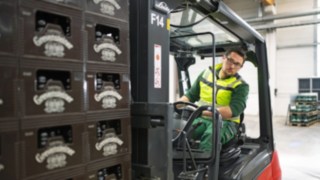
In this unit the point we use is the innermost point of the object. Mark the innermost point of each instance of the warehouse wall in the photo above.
(295, 54)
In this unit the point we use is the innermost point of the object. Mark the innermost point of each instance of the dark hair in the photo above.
(239, 51)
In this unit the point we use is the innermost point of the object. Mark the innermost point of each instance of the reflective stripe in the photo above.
(234, 119)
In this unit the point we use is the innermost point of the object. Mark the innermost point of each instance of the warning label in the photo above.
(157, 66)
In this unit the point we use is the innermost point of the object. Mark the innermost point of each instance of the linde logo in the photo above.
(54, 44)
(54, 100)
(108, 6)
(162, 6)
(56, 156)
(109, 97)
(109, 144)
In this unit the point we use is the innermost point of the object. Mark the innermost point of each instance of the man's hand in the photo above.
(207, 114)
(184, 99)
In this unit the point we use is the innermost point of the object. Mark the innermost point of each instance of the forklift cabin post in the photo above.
(213, 159)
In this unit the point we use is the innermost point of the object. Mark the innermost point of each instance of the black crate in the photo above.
(9, 151)
(51, 88)
(118, 9)
(51, 31)
(108, 40)
(52, 149)
(108, 138)
(8, 91)
(8, 28)
(78, 4)
(107, 88)
(116, 168)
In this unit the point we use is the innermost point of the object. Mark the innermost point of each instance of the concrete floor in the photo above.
(298, 148)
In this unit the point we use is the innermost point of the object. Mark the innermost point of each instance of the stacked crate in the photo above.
(305, 110)
(52, 133)
(64, 113)
(108, 124)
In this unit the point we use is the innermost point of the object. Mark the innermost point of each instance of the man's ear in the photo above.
(244, 61)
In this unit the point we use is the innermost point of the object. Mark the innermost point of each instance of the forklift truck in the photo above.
(186, 32)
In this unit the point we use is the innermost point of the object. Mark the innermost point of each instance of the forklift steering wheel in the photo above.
(181, 106)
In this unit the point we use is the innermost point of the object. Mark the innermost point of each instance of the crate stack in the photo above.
(64, 113)
(106, 25)
(305, 110)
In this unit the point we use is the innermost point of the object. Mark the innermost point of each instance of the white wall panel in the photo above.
(250, 75)
(291, 64)
(294, 6)
(295, 36)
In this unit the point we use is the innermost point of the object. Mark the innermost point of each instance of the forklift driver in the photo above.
(231, 96)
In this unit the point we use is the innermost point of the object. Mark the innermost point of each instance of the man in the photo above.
(231, 96)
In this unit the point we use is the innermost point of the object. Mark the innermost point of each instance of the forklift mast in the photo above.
(151, 112)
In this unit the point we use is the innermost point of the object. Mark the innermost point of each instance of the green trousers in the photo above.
(204, 132)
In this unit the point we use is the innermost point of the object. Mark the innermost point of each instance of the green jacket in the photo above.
(236, 96)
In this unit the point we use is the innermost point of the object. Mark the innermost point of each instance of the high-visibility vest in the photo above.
(223, 89)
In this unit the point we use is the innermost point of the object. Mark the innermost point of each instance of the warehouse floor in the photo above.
(298, 148)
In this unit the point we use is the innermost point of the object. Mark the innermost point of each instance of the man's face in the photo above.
(231, 64)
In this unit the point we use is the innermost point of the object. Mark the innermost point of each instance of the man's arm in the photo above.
(239, 99)
(193, 94)
(225, 112)
(184, 99)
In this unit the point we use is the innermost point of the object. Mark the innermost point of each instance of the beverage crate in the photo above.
(50, 31)
(8, 91)
(50, 149)
(116, 9)
(115, 168)
(107, 89)
(108, 138)
(107, 40)
(303, 118)
(307, 97)
(51, 88)
(303, 108)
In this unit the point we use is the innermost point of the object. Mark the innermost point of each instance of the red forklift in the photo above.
(181, 35)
